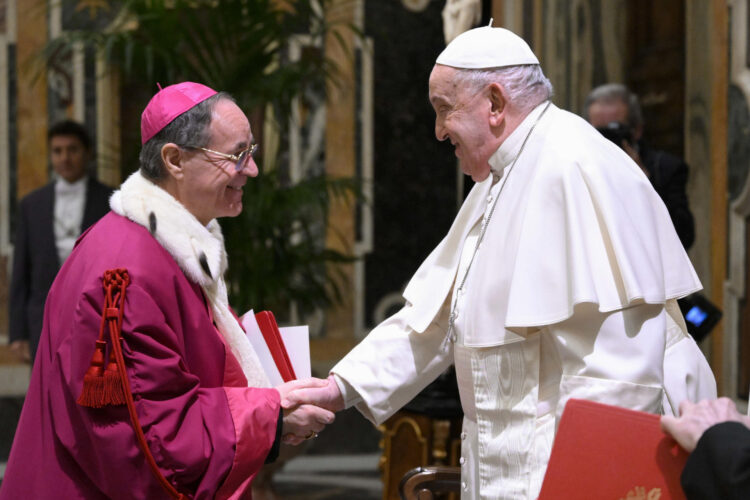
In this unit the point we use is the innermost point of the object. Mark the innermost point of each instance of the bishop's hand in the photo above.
(302, 421)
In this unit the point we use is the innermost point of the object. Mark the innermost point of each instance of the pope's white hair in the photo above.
(526, 85)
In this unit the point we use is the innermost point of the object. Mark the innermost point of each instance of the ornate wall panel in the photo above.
(580, 44)
(414, 176)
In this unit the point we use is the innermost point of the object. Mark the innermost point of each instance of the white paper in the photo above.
(261, 349)
(296, 341)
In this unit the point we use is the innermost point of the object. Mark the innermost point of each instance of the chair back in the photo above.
(421, 483)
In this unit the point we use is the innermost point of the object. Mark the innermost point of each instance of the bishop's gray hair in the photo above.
(610, 92)
(526, 85)
(189, 130)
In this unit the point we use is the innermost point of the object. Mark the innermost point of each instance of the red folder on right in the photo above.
(607, 452)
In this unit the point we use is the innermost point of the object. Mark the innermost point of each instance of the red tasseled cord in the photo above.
(103, 387)
(110, 386)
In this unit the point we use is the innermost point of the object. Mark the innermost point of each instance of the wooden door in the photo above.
(655, 69)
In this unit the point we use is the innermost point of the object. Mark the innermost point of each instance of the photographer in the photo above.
(616, 113)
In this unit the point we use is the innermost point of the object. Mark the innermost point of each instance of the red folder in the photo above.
(608, 452)
(269, 328)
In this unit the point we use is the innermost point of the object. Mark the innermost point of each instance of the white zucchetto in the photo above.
(486, 47)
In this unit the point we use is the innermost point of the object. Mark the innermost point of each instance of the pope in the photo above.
(558, 279)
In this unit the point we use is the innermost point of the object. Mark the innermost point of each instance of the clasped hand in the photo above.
(308, 407)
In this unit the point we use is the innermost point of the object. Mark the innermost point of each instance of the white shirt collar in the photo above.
(510, 147)
(64, 187)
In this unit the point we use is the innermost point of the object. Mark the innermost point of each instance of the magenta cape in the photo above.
(207, 431)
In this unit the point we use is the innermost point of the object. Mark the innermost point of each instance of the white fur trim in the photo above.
(187, 240)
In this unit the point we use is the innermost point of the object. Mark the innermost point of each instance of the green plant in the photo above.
(277, 247)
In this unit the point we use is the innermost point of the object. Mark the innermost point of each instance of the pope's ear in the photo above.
(498, 102)
(172, 157)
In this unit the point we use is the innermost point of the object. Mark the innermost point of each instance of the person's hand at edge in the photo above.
(695, 419)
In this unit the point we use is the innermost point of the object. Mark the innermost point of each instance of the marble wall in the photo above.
(415, 185)
(31, 100)
(415, 179)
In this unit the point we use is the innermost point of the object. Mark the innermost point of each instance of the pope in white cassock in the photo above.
(557, 280)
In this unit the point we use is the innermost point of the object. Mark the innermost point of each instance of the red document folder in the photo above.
(269, 328)
(608, 452)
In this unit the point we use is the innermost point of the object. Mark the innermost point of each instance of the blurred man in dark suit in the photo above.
(49, 220)
(616, 113)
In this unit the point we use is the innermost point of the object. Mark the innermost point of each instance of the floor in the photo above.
(340, 464)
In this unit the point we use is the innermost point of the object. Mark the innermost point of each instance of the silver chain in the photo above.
(451, 336)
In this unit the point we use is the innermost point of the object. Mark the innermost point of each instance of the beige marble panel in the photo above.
(340, 162)
(32, 98)
(706, 152)
(108, 135)
(697, 132)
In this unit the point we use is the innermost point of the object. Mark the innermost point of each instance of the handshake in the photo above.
(309, 405)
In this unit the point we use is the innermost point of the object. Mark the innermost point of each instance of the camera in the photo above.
(617, 132)
(701, 315)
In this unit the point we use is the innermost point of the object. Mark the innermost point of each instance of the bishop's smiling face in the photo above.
(211, 186)
(462, 116)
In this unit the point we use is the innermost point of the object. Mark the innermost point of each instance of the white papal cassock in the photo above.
(571, 295)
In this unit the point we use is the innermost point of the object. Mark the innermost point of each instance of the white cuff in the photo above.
(351, 396)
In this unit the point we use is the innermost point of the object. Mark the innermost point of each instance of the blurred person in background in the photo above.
(616, 112)
(49, 221)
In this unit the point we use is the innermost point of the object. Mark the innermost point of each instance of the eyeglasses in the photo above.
(240, 159)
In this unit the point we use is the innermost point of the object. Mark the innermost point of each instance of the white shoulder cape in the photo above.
(577, 222)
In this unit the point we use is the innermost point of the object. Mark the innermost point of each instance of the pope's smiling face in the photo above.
(463, 117)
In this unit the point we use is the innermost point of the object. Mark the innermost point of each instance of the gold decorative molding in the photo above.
(387, 444)
(441, 433)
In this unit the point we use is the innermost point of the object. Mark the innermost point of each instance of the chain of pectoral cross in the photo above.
(450, 335)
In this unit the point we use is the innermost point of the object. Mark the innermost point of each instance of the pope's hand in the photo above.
(695, 419)
(303, 421)
(325, 396)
